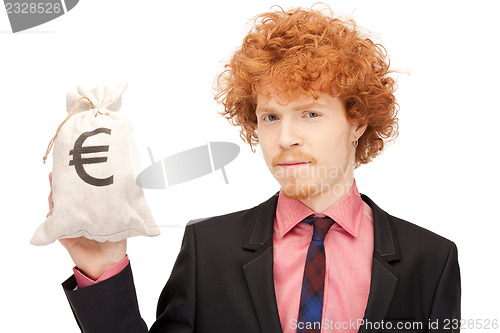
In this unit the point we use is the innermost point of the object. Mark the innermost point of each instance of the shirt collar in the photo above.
(347, 212)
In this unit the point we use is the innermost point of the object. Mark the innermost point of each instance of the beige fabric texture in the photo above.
(89, 202)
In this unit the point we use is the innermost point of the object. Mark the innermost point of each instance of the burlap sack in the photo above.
(95, 164)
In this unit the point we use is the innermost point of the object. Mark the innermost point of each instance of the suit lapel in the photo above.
(384, 277)
(258, 266)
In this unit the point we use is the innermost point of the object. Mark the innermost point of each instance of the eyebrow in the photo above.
(308, 105)
(296, 108)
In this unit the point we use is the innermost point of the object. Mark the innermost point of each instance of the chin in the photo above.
(299, 190)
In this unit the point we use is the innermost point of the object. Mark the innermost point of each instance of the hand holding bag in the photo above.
(95, 164)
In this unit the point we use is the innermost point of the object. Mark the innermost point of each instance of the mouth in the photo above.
(290, 160)
(292, 163)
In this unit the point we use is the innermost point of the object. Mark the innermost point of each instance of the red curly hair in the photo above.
(300, 48)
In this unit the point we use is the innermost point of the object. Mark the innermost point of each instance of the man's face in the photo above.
(306, 143)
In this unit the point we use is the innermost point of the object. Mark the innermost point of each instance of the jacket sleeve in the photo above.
(111, 305)
(176, 310)
(108, 306)
(445, 311)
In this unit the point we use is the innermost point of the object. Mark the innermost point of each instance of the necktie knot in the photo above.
(321, 226)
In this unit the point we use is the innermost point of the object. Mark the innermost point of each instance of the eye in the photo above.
(312, 114)
(271, 117)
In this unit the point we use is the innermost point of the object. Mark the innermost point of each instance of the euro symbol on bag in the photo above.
(78, 161)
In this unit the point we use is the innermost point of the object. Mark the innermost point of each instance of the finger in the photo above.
(66, 242)
(51, 204)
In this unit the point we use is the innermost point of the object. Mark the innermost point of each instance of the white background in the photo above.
(440, 173)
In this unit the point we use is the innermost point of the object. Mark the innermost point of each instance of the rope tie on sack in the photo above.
(77, 104)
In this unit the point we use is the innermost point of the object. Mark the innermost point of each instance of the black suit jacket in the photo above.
(222, 281)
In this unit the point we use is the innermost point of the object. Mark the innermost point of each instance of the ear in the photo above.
(360, 129)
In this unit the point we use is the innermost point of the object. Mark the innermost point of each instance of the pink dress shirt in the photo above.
(83, 281)
(348, 250)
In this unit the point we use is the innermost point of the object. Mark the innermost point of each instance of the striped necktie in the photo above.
(313, 283)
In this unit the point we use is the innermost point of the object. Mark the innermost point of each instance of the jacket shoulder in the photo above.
(411, 230)
(223, 219)
(245, 216)
(403, 230)
(420, 247)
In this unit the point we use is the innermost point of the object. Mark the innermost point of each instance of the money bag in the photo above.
(95, 165)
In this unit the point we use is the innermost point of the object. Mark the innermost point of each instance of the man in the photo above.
(317, 96)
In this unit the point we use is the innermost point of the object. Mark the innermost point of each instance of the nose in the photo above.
(289, 135)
